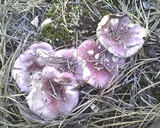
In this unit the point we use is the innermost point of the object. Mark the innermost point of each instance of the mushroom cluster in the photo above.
(51, 77)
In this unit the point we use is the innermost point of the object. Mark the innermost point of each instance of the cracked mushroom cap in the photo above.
(120, 35)
(93, 70)
(32, 60)
(53, 93)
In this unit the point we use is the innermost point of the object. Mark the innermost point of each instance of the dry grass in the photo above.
(132, 102)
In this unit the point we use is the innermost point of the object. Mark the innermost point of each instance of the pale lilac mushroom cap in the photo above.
(43, 52)
(111, 62)
(120, 35)
(93, 71)
(53, 93)
(65, 60)
(66, 53)
(69, 63)
(29, 62)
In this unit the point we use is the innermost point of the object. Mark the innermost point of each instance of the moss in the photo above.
(68, 20)
(56, 33)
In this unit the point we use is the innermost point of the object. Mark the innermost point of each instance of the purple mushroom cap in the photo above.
(93, 70)
(65, 60)
(52, 94)
(119, 35)
(32, 60)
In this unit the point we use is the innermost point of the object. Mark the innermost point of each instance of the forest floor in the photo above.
(132, 102)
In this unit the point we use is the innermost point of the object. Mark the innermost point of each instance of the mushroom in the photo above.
(68, 62)
(53, 93)
(111, 62)
(120, 35)
(65, 60)
(32, 60)
(95, 64)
